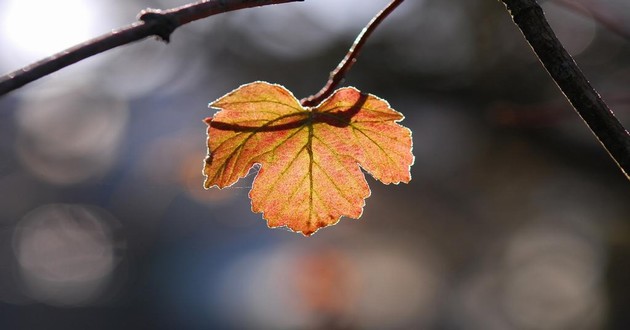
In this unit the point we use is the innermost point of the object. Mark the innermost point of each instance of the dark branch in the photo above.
(529, 17)
(152, 22)
(337, 75)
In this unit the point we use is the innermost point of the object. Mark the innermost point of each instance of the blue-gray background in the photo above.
(515, 217)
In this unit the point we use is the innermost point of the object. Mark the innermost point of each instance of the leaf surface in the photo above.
(309, 158)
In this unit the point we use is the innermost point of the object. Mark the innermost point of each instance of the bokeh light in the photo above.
(515, 217)
(553, 279)
(34, 29)
(332, 287)
(66, 253)
(68, 137)
(575, 31)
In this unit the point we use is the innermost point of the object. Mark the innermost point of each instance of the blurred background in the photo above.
(515, 217)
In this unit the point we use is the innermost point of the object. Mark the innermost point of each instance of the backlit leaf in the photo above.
(309, 157)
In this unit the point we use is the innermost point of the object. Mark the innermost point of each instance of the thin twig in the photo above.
(529, 17)
(152, 22)
(337, 75)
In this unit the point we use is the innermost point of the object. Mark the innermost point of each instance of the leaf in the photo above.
(309, 157)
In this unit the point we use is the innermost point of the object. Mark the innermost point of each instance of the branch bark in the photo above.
(151, 22)
(530, 19)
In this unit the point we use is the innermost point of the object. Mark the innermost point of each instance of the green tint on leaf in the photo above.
(309, 175)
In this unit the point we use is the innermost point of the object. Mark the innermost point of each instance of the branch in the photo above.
(337, 75)
(152, 22)
(529, 17)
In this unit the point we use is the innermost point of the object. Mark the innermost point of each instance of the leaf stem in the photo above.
(530, 19)
(151, 22)
(337, 75)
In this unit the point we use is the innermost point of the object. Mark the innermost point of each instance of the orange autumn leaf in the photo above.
(309, 157)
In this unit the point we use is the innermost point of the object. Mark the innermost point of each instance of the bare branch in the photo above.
(337, 75)
(152, 22)
(529, 17)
